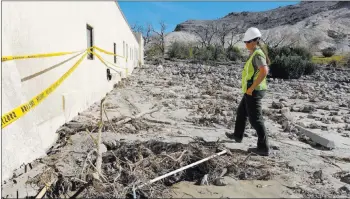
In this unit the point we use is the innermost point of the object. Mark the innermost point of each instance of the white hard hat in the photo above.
(251, 33)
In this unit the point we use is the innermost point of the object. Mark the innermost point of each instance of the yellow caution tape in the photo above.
(21, 110)
(101, 59)
(106, 52)
(105, 61)
(8, 58)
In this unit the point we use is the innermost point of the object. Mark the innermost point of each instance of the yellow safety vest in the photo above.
(249, 74)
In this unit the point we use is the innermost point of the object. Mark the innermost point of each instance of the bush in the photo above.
(289, 67)
(152, 52)
(289, 51)
(310, 68)
(328, 52)
(218, 53)
(290, 62)
(233, 53)
(180, 50)
(203, 54)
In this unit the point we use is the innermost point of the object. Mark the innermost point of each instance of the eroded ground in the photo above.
(180, 113)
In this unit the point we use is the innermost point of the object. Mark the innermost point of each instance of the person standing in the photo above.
(254, 87)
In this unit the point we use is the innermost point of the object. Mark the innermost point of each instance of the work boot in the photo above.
(233, 137)
(262, 152)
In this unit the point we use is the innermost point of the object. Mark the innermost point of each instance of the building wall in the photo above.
(35, 27)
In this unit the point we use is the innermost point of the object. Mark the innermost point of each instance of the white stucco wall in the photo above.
(34, 27)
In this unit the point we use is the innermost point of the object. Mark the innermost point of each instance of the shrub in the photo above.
(180, 50)
(202, 54)
(233, 53)
(290, 62)
(289, 51)
(218, 53)
(288, 67)
(328, 52)
(153, 51)
(310, 68)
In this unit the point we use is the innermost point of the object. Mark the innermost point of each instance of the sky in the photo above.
(173, 13)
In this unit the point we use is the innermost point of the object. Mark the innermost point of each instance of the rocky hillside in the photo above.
(323, 23)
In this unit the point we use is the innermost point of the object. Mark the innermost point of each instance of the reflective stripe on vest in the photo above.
(248, 73)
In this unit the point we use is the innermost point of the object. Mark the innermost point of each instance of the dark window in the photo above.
(115, 52)
(90, 40)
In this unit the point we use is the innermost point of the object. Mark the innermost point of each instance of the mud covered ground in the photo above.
(165, 117)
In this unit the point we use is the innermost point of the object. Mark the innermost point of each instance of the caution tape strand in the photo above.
(8, 58)
(109, 53)
(21, 110)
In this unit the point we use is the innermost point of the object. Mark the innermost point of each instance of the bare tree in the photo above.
(274, 43)
(223, 31)
(160, 37)
(146, 31)
(206, 33)
(233, 41)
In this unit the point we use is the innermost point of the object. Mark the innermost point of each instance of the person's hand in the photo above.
(249, 91)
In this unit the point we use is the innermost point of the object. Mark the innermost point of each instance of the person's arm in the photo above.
(261, 62)
(263, 73)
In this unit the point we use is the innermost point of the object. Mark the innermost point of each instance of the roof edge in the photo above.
(116, 2)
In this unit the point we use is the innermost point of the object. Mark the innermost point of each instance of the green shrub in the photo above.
(310, 68)
(289, 51)
(153, 51)
(218, 53)
(288, 67)
(180, 50)
(328, 52)
(233, 53)
(203, 54)
(290, 62)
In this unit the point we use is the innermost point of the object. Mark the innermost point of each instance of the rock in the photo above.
(283, 100)
(286, 114)
(160, 68)
(171, 93)
(308, 109)
(317, 138)
(171, 106)
(286, 126)
(345, 179)
(206, 96)
(314, 99)
(303, 124)
(110, 144)
(347, 127)
(242, 175)
(277, 105)
(333, 113)
(337, 119)
(275, 147)
(318, 175)
(130, 126)
(180, 132)
(295, 109)
(314, 126)
(223, 181)
(345, 188)
(103, 148)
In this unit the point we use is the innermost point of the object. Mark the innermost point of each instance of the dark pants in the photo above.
(250, 107)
